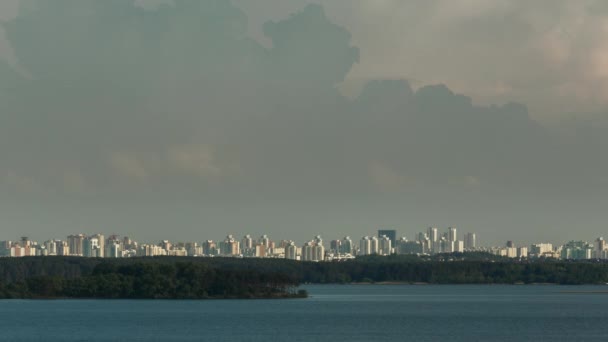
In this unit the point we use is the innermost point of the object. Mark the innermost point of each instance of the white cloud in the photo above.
(385, 178)
(129, 166)
(195, 159)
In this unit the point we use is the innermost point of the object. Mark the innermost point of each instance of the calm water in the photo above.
(333, 313)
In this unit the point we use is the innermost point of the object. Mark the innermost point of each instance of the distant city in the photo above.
(384, 243)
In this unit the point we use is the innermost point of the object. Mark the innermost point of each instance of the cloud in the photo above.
(171, 83)
(123, 101)
(198, 160)
(129, 166)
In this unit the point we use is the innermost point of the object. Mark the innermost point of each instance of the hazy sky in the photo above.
(191, 119)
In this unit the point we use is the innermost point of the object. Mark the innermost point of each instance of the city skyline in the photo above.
(385, 242)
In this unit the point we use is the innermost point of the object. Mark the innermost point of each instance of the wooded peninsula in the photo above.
(214, 278)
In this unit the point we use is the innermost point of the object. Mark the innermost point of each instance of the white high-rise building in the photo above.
(318, 252)
(522, 252)
(63, 247)
(76, 244)
(511, 252)
(539, 249)
(365, 246)
(433, 234)
(307, 253)
(313, 250)
(51, 247)
(113, 250)
(90, 247)
(291, 251)
(375, 245)
(384, 247)
(459, 246)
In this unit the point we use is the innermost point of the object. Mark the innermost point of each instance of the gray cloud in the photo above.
(124, 114)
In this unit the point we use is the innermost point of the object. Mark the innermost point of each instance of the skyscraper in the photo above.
(75, 243)
(334, 246)
(433, 234)
(90, 247)
(101, 244)
(346, 246)
(291, 251)
(452, 235)
(390, 233)
(384, 245)
(365, 246)
(247, 248)
(470, 241)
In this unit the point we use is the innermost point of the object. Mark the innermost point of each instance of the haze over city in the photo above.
(295, 118)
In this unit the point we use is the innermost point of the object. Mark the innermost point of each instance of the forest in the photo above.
(40, 278)
(201, 278)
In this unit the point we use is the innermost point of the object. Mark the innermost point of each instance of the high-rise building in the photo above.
(307, 253)
(447, 246)
(193, 249)
(346, 246)
(422, 237)
(318, 240)
(166, 245)
(51, 247)
(318, 252)
(260, 251)
(384, 245)
(599, 247)
(247, 246)
(209, 248)
(577, 250)
(90, 247)
(113, 249)
(291, 251)
(375, 246)
(433, 234)
(75, 243)
(522, 252)
(229, 246)
(510, 244)
(63, 247)
(334, 246)
(511, 252)
(539, 249)
(390, 233)
(470, 241)
(264, 241)
(101, 244)
(452, 234)
(365, 246)
(409, 247)
(313, 250)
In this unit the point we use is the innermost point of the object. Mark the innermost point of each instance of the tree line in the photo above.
(142, 280)
(182, 277)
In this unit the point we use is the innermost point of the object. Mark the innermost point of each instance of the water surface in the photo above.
(332, 313)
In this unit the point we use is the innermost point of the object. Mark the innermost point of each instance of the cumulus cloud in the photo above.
(173, 81)
(171, 97)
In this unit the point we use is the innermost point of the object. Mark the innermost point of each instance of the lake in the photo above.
(332, 313)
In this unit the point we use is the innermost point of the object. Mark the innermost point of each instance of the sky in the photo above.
(189, 120)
